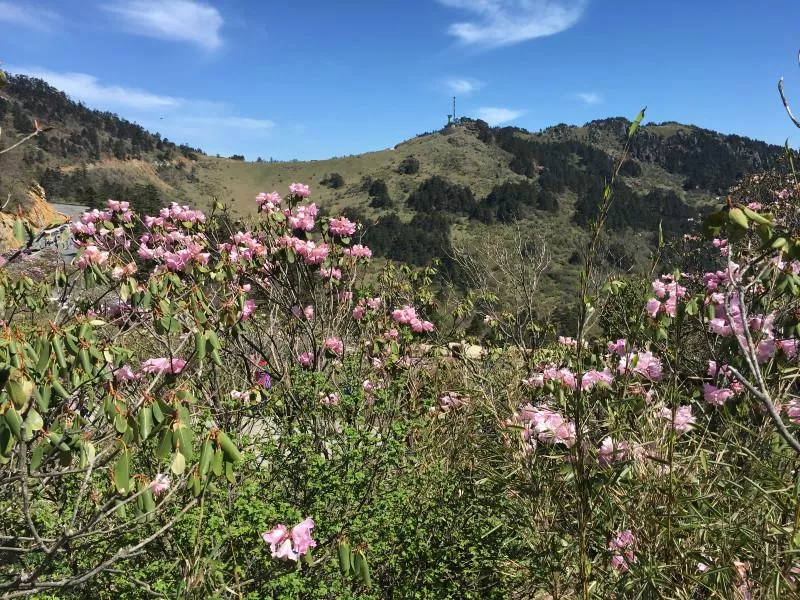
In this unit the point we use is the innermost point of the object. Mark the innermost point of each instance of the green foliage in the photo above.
(333, 181)
(439, 195)
(409, 166)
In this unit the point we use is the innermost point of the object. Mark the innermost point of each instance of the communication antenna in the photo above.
(454, 109)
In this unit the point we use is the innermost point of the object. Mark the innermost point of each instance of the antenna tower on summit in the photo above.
(454, 109)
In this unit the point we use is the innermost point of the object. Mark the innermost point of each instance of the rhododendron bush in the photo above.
(197, 408)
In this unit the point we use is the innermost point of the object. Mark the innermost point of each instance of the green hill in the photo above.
(457, 186)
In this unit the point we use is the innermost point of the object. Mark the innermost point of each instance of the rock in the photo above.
(38, 213)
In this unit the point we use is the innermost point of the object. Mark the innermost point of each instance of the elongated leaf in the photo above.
(228, 447)
(178, 464)
(122, 473)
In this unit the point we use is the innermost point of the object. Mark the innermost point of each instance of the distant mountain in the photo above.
(454, 186)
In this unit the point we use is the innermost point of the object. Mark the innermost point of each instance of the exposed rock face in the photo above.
(38, 213)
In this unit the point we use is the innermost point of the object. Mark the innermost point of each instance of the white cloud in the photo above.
(178, 20)
(202, 123)
(27, 16)
(88, 89)
(462, 86)
(589, 97)
(505, 22)
(496, 116)
(227, 122)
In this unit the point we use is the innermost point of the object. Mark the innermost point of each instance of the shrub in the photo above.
(438, 194)
(333, 181)
(408, 166)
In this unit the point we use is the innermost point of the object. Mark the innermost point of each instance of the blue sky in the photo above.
(311, 79)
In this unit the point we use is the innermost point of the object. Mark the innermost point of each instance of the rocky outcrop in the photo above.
(37, 211)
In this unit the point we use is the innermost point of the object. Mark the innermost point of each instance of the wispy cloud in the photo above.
(178, 20)
(497, 116)
(462, 86)
(88, 89)
(200, 122)
(506, 22)
(228, 122)
(589, 97)
(27, 16)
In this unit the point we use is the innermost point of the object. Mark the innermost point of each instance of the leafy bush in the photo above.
(437, 194)
(379, 194)
(408, 166)
(333, 181)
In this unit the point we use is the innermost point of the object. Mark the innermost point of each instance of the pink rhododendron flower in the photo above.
(330, 399)
(298, 189)
(125, 373)
(716, 396)
(335, 345)
(618, 347)
(592, 378)
(160, 484)
(622, 547)
(792, 410)
(292, 545)
(611, 452)
(358, 251)
(306, 359)
(646, 365)
(545, 425)
(342, 227)
(92, 255)
(684, 420)
(248, 310)
(163, 365)
(301, 536)
(789, 348)
(268, 203)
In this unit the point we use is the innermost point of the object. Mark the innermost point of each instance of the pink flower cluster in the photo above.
(561, 376)
(365, 304)
(358, 251)
(684, 420)
(290, 545)
(160, 484)
(621, 547)
(594, 377)
(311, 252)
(303, 218)
(611, 452)
(300, 190)
(543, 424)
(244, 246)
(642, 363)
(171, 239)
(159, 366)
(449, 401)
(408, 316)
(268, 203)
(667, 293)
(334, 345)
(342, 227)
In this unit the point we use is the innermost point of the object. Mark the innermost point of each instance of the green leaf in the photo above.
(178, 464)
(145, 418)
(737, 217)
(636, 122)
(14, 421)
(344, 558)
(228, 447)
(122, 473)
(19, 230)
(206, 454)
(165, 445)
(216, 462)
